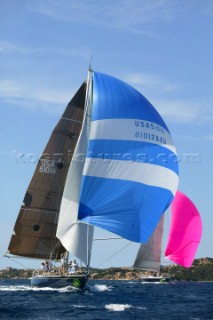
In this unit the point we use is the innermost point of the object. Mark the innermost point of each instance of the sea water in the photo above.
(108, 300)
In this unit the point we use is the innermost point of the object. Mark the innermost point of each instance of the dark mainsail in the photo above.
(35, 229)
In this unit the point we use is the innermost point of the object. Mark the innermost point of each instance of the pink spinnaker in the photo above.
(185, 231)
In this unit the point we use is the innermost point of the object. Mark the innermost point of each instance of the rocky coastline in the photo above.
(201, 270)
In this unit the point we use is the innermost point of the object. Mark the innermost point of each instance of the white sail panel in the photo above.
(131, 130)
(132, 171)
(78, 240)
(149, 254)
(76, 237)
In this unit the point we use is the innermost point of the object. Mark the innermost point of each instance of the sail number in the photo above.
(47, 166)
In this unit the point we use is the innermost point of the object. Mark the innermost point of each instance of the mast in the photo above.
(88, 253)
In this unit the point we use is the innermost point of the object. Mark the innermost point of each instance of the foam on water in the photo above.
(109, 299)
(117, 307)
(99, 288)
(29, 288)
(146, 282)
(15, 288)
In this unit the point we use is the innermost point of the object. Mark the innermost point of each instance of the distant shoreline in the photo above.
(177, 281)
(201, 271)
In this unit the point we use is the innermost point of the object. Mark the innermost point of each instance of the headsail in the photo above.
(185, 231)
(76, 236)
(35, 228)
(130, 176)
(149, 254)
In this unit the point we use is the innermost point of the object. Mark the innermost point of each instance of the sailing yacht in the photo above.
(184, 238)
(100, 168)
(149, 255)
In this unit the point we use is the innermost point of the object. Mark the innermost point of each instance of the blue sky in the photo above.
(164, 48)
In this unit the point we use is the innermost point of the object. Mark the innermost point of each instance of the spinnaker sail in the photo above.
(126, 185)
(185, 231)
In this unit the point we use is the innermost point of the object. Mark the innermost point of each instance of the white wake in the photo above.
(29, 288)
(99, 288)
(117, 307)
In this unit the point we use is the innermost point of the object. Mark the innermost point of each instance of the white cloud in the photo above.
(178, 110)
(159, 91)
(117, 14)
(10, 88)
(7, 47)
(51, 100)
(149, 80)
(209, 137)
(198, 112)
(15, 89)
(163, 93)
(206, 7)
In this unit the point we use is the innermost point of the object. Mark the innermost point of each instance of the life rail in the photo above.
(58, 272)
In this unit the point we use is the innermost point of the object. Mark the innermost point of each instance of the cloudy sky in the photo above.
(164, 48)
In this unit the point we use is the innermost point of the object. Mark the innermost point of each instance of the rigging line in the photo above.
(112, 238)
(126, 246)
(14, 260)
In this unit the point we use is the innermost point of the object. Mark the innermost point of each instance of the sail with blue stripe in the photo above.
(130, 173)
